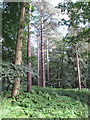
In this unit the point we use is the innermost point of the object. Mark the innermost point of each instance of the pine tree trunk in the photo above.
(88, 76)
(42, 74)
(88, 63)
(47, 54)
(78, 69)
(29, 53)
(39, 61)
(59, 84)
(58, 77)
(18, 58)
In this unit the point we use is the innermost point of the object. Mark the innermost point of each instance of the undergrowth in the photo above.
(46, 103)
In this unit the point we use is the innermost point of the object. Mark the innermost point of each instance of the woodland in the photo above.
(45, 63)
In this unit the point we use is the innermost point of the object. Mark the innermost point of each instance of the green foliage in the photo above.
(10, 18)
(68, 103)
(32, 9)
(78, 13)
(32, 59)
(9, 71)
(28, 6)
(84, 35)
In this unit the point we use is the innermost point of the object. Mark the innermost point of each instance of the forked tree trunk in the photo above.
(29, 53)
(78, 68)
(18, 58)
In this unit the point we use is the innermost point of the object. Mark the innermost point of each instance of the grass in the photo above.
(46, 103)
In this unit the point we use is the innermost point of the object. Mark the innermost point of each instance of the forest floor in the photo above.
(46, 103)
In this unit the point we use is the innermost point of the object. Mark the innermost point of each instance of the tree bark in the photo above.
(42, 72)
(18, 57)
(88, 63)
(29, 77)
(60, 73)
(88, 76)
(58, 77)
(39, 60)
(47, 54)
(78, 69)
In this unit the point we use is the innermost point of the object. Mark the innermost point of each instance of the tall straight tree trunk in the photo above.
(60, 76)
(61, 73)
(18, 58)
(42, 72)
(29, 52)
(88, 63)
(88, 76)
(78, 68)
(47, 54)
(39, 60)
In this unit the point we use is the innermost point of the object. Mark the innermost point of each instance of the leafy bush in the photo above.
(9, 71)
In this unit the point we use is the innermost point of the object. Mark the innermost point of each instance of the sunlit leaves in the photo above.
(67, 103)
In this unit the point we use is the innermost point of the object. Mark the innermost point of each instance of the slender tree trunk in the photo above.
(29, 53)
(39, 65)
(78, 69)
(59, 84)
(18, 58)
(88, 63)
(88, 76)
(42, 55)
(47, 54)
(60, 73)
(58, 77)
